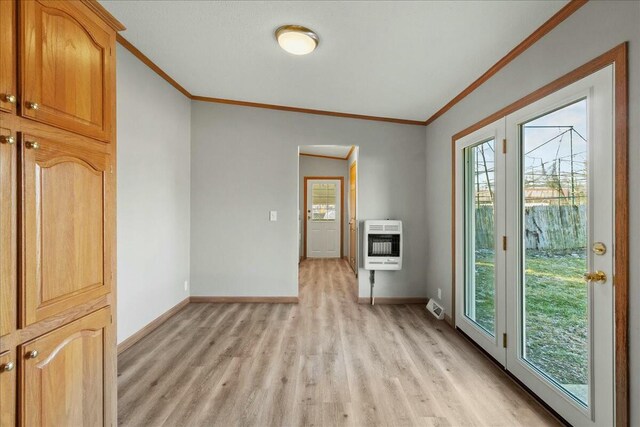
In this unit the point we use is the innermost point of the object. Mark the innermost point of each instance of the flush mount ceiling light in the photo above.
(296, 39)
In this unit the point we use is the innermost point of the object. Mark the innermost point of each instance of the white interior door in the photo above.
(480, 209)
(560, 220)
(323, 218)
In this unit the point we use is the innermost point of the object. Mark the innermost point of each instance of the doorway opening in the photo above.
(327, 214)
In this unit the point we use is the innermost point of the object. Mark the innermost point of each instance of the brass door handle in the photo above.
(32, 354)
(34, 145)
(7, 367)
(597, 276)
(5, 139)
(32, 105)
(11, 99)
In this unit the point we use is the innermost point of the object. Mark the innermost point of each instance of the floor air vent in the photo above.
(435, 309)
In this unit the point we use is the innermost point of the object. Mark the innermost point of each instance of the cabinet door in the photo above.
(8, 96)
(8, 389)
(67, 72)
(8, 252)
(63, 374)
(65, 225)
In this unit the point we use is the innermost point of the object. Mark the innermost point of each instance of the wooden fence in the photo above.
(555, 228)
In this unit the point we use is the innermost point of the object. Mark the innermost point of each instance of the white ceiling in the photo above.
(381, 58)
(326, 150)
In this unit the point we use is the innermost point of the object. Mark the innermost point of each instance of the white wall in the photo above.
(245, 162)
(318, 166)
(591, 31)
(153, 194)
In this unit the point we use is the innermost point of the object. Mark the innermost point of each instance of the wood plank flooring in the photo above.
(324, 361)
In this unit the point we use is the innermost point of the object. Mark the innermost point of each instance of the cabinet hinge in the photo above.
(504, 146)
(504, 340)
(504, 243)
(111, 168)
(111, 318)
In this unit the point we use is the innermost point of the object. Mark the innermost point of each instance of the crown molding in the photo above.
(142, 57)
(104, 14)
(542, 30)
(353, 147)
(320, 156)
(307, 110)
(149, 63)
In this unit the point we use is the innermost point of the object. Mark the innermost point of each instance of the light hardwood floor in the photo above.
(324, 361)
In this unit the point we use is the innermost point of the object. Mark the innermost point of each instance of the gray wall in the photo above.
(245, 162)
(318, 166)
(591, 31)
(153, 195)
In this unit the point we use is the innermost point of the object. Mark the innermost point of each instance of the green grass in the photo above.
(555, 312)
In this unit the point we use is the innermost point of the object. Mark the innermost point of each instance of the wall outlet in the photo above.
(439, 294)
(186, 285)
(273, 215)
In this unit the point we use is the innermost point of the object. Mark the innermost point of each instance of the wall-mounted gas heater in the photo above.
(382, 247)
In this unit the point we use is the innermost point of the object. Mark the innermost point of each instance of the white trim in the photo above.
(491, 344)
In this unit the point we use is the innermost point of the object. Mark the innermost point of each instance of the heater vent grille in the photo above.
(382, 245)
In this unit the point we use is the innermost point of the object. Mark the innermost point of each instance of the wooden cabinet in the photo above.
(8, 387)
(66, 256)
(8, 93)
(67, 67)
(57, 213)
(8, 246)
(63, 375)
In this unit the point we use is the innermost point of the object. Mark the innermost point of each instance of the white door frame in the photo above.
(491, 344)
(324, 178)
(617, 57)
(598, 90)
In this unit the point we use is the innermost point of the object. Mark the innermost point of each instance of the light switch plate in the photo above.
(273, 215)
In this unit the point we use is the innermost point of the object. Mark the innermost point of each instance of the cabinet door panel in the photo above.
(64, 384)
(65, 197)
(8, 95)
(8, 251)
(8, 387)
(67, 67)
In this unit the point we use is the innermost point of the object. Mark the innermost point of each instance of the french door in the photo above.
(534, 248)
(480, 216)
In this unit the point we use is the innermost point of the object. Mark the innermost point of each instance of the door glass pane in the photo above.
(323, 202)
(479, 235)
(555, 300)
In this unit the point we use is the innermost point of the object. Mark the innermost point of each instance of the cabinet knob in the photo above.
(32, 354)
(11, 99)
(32, 105)
(7, 139)
(33, 145)
(7, 367)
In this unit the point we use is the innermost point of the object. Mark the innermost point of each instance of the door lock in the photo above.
(599, 248)
(597, 276)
